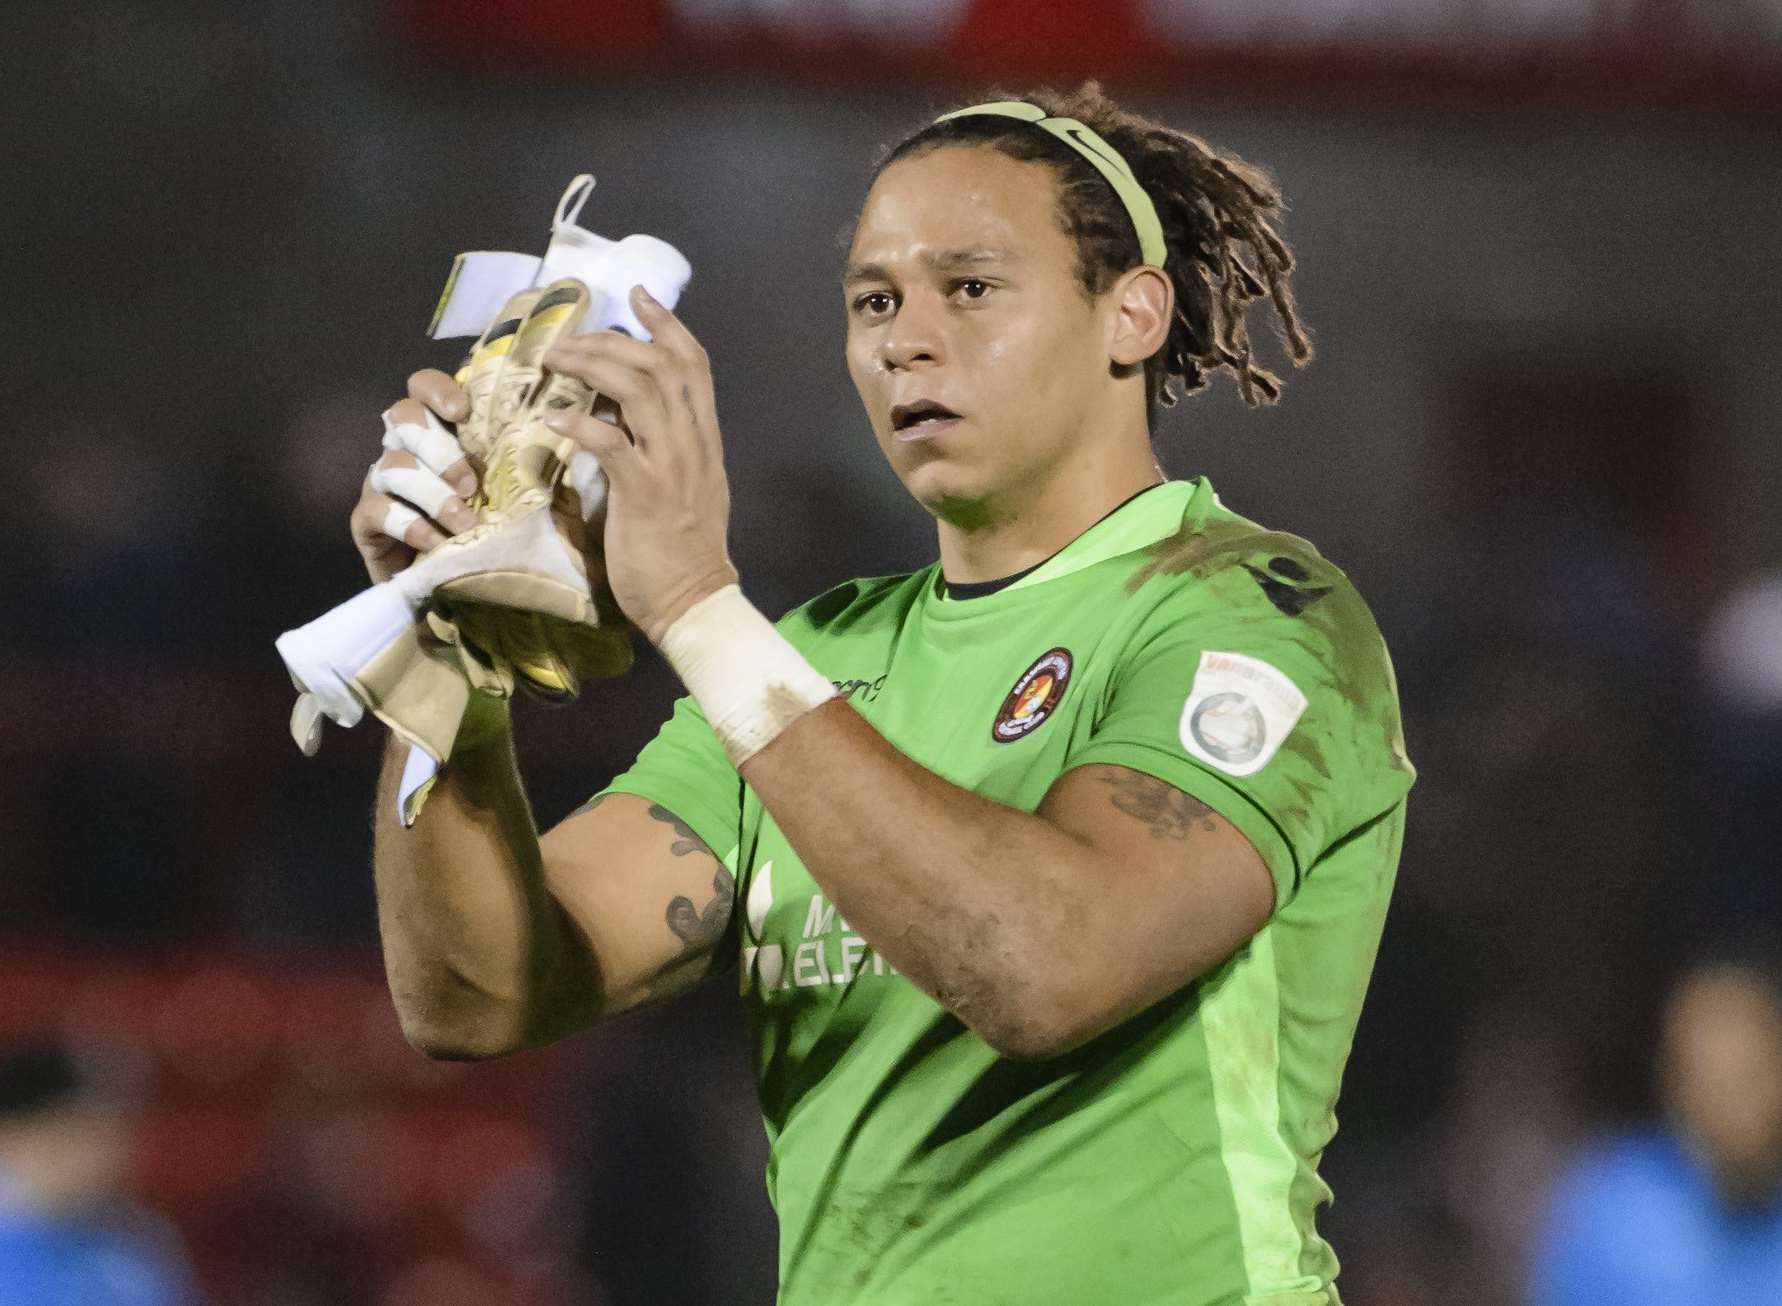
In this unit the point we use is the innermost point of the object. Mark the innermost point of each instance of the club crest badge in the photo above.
(1034, 698)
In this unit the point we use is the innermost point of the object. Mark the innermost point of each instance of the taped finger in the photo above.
(436, 448)
(425, 491)
(402, 522)
(398, 517)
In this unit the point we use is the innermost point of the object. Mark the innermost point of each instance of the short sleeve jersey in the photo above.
(1172, 1159)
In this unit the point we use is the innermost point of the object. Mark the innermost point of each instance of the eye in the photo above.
(873, 302)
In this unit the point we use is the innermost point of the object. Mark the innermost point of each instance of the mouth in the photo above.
(921, 419)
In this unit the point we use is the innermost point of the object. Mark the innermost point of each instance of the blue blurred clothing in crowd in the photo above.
(71, 1260)
(1637, 1222)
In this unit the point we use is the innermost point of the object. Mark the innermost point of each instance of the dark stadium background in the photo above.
(1538, 247)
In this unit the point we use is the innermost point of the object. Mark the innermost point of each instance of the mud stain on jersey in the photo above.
(1211, 547)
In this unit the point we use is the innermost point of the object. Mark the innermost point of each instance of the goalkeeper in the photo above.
(1056, 870)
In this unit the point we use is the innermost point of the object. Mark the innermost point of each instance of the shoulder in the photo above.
(870, 601)
(1254, 613)
(1231, 578)
(1254, 567)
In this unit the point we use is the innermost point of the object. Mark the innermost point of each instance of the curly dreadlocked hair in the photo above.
(1216, 212)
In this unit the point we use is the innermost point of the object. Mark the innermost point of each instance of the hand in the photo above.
(668, 502)
(414, 495)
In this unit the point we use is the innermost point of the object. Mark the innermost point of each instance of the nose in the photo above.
(914, 336)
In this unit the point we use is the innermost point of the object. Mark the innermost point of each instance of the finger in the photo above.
(612, 450)
(692, 382)
(398, 519)
(677, 380)
(404, 523)
(665, 328)
(566, 356)
(440, 393)
(397, 475)
(636, 392)
(383, 515)
(436, 448)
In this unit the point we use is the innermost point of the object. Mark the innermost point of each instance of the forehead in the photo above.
(960, 197)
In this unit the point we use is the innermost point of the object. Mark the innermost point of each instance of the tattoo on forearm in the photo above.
(688, 842)
(698, 930)
(591, 804)
(1166, 810)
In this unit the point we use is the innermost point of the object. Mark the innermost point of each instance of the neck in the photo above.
(1023, 525)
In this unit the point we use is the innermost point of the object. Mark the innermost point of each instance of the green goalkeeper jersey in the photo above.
(1173, 1159)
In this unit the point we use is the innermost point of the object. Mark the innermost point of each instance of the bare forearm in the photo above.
(473, 941)
(974, 902)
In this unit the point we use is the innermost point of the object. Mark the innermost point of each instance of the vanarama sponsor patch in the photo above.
(1239, 712)
(1036, 695)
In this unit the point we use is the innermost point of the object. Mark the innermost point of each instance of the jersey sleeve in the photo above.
(684, 769)
(1279, 712)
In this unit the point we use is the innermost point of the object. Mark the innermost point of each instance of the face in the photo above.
(75, 1154)
(962, 294)
(1723, 1077)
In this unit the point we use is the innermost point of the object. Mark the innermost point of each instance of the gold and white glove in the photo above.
(519, 600)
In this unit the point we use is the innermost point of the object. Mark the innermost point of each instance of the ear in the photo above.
(1143, 302)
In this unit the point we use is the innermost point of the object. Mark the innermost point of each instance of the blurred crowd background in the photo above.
(1539, 251)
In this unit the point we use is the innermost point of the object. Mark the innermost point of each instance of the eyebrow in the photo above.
(944, 260)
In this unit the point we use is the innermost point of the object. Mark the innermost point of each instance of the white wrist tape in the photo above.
(747, 679)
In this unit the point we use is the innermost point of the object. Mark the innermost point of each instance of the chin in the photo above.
(949, 492)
